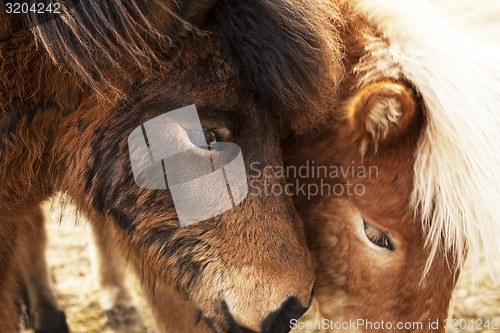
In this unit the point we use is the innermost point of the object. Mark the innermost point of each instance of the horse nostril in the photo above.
(279, 321)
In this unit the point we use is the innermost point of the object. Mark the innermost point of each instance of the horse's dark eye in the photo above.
(210, 137)
(203, 139)
(378, 237)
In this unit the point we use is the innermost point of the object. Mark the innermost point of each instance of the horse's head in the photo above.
(411, 149)
(247, 268)
(380, 251)
(368, 245)
(237, 268)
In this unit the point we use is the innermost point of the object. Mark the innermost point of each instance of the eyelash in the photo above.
(378, 237)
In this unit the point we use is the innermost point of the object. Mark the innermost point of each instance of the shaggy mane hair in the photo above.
(44, 59)
(285, 49)
(94, 36)
(289, 51)
(456, 173)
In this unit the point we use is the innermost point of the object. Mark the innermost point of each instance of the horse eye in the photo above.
(378, 237)
(205, 139)
(210, 137)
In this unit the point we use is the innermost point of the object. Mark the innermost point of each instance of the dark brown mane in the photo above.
(98, 35)
(287, 50)
(289, 53)
(54, 59)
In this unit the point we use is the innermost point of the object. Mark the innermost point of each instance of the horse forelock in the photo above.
(289, 51)
(456, 175)
(96, 36)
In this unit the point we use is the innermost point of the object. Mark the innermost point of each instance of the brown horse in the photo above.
(73, 89)
(412, 187)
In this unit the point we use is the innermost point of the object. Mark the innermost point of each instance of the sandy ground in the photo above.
(78, 294)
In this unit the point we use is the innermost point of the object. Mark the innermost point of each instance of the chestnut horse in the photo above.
(416, 132)
(75, 87)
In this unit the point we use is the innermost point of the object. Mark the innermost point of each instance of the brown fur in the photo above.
(8, 281)
(379, 112)
(354, 278)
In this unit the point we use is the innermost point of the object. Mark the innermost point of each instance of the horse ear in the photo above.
(380, 112)
(195, 11)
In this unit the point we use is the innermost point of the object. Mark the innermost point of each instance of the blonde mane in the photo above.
(457, 169)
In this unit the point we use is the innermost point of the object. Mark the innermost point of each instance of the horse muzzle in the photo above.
(278, 321)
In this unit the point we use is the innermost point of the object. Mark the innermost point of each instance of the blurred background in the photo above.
(77, 290)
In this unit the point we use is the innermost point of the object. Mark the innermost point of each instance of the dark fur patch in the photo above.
(278, 45)
(279, 320)
(9, 122)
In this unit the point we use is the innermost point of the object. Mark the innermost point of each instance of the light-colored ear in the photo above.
(380, 112)
(195, 11)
